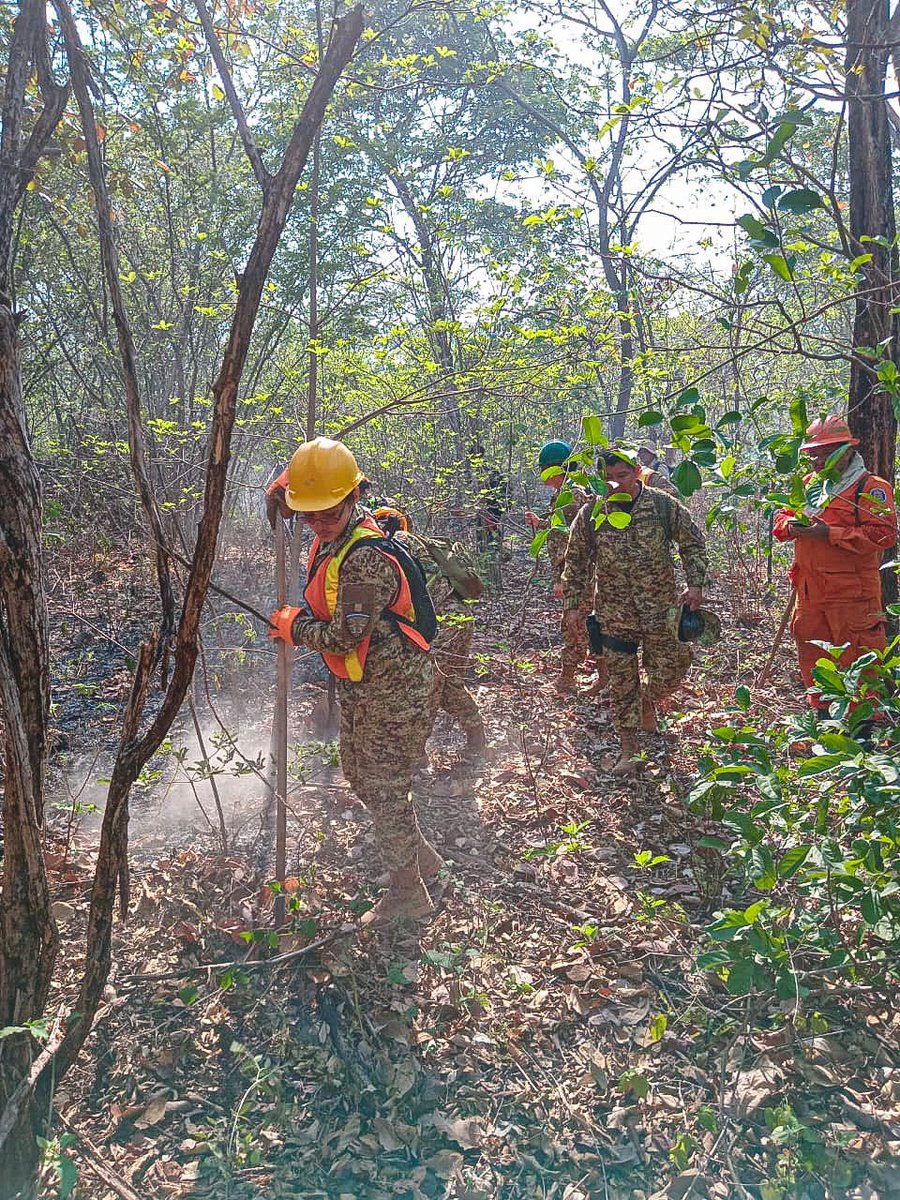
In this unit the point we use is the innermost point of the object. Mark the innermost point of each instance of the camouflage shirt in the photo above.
(633, 568)
(558, 538)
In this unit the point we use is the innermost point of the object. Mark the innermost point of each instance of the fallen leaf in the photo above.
(153, 1113)
(465, 1131)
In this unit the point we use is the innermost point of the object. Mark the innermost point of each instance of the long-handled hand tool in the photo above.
(763, 676)
(280, 729)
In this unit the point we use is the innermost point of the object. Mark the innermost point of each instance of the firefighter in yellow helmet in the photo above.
(364, 612)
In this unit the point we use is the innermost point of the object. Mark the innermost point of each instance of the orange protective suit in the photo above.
(838, 582)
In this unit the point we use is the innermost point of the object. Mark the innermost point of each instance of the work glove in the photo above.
(281, 622)
(276, 503)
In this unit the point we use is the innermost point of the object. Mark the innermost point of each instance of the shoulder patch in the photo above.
(878, 493)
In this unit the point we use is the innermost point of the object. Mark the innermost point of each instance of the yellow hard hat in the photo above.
(321, 474)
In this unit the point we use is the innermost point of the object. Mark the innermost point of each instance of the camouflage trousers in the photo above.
(575, 643)
(452, 650)
(666, 661)
(385, 721)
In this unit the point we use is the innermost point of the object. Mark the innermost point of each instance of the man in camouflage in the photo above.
(630, 572)
(385, 714)
(575, 646)
(454, 586)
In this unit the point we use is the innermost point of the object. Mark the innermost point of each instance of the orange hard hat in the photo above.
(829, 431)
(321, 474)
(385, 513)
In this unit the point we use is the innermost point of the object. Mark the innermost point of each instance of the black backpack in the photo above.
(426, 622)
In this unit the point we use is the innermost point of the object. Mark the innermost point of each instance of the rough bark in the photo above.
(871, 405)
(28, 936)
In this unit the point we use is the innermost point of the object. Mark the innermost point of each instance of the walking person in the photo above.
(629, 572)
(364, 613)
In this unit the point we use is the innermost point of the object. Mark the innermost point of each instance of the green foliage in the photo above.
(814, 839)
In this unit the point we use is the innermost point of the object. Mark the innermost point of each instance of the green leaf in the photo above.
(593, 430)
(800, 201)
(779, 265)
(727, 927)
(761, 236)
(68, 1176)
(763, 868)
(687, 478)
(871, 907)
(742, 698)
(730, 418)
(786, 985)
(619, 520)
(538, 542)
(650, 418)
(9, 1030)
(820, 763)
(739, 979)
(658, 1026)
(789, 864)
(771, 194)
(782, 135)
(689, 396)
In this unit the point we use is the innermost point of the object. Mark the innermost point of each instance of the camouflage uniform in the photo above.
(632, 575)
(575, 645)
(385, 717)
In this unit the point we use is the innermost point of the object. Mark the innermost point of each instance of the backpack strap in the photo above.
(663, 511)
(860, 488)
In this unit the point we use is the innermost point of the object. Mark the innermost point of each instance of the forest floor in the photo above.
(548, 1034)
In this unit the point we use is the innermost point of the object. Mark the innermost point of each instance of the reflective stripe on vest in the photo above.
(321, 592)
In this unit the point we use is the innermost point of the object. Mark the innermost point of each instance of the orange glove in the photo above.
(281, 621)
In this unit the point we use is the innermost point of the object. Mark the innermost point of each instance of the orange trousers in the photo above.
(858, 623)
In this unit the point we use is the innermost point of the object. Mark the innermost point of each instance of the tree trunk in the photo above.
(871, 405)
(29, 934)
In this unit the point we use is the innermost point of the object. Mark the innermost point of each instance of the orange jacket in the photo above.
(320, 594)
(862, 524)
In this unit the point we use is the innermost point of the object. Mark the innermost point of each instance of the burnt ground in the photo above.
(547, 1035)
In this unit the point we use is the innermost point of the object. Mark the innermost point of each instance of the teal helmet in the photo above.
(554, 454)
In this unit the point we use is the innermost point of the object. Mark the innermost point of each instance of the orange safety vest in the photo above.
(321, 592)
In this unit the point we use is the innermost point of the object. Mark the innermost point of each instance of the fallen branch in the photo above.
(243, 964)
(92, 1157)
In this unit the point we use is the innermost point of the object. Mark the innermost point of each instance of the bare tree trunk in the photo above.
(28, 935)
(875, 326)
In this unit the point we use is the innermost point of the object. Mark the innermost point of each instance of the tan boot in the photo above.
(649, 723)
(598, 687)
(405, 900)
(564, 683)
(430, 862)
(625, 765)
